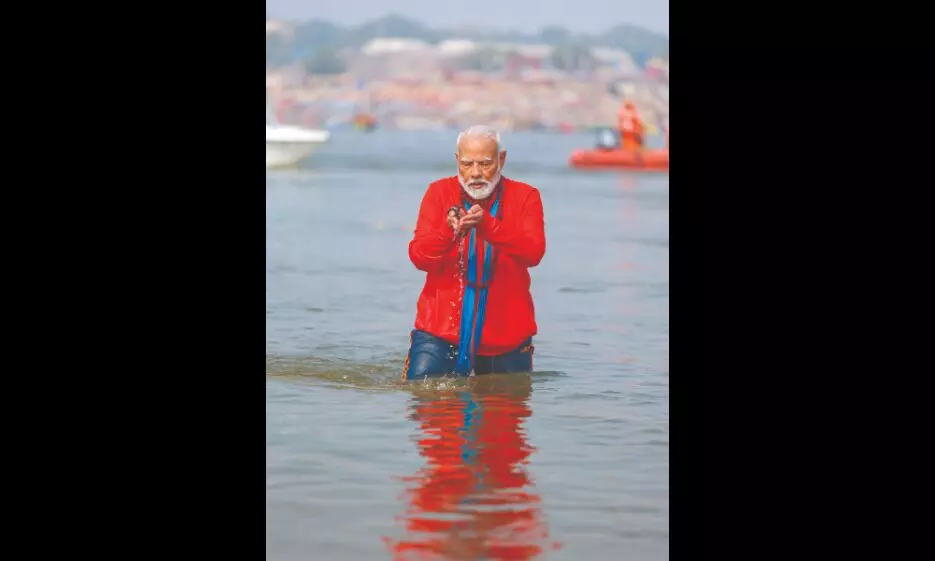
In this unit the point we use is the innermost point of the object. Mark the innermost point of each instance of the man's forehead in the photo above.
(477, 148)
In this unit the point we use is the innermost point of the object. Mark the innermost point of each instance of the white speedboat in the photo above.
(287, 146)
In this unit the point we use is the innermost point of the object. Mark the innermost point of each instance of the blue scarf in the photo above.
(475, 298)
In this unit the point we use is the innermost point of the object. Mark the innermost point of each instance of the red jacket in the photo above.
(519, 238)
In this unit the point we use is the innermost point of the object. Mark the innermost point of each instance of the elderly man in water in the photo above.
(477, 235)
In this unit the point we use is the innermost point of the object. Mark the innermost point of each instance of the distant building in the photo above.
(393, 45)
(385, 58)
(277, 27)
(456, 47)
(618, 59)
(538, 52)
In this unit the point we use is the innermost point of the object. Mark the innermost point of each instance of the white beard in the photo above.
(480, 189)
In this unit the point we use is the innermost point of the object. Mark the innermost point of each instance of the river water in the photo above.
(569, 463)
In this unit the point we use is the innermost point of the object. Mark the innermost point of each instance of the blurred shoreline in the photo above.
(445, 82)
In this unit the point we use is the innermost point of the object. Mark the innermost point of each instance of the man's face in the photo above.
(479, 166)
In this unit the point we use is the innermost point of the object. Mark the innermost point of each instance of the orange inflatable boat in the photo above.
(652, 159)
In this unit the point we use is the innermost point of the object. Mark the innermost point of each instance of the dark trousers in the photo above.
(432, 357)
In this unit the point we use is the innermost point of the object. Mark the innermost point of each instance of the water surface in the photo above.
(568, 463)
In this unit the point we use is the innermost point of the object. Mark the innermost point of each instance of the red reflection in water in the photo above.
(626, 182)
(474, 500)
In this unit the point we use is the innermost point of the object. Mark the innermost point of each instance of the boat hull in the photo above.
(652, 160)
(288, 154)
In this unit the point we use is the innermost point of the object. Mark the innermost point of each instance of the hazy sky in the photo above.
(524, 15)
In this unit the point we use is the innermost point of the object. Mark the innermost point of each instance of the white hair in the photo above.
(479, 131)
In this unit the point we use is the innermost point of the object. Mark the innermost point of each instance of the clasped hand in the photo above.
(464, 221)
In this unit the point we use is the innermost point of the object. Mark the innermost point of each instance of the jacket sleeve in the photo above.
(524, 239)
(433, 241)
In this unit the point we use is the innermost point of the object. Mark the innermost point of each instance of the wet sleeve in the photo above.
(433, 242)
(523, 239)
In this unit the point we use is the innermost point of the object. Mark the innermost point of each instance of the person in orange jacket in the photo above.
(630, 126)
(477, 235)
